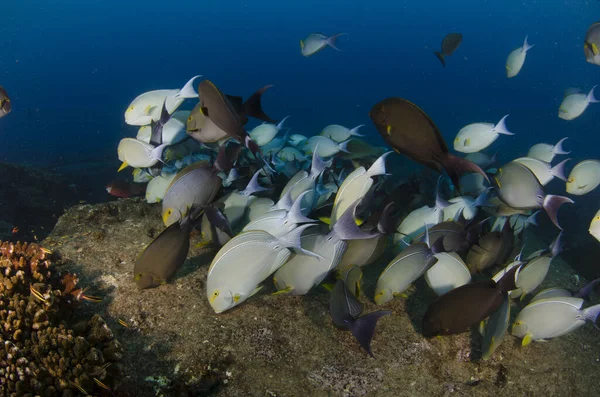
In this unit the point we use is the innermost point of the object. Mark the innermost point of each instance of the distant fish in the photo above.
(478, 136)
(516, 59)
(315, 42)
(574, 104)
(410, 131)
(449, 45)
(595, 226)
(339, 133)
(5, 105)
(546, 152)
(121, 188)
(592, 43)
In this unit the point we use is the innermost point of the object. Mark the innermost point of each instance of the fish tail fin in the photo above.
(363, 328)
(354, 131)
(592, 313)
(253, 106)
(347, 229)
(558, 148)
(590, 96)
(280, 125)
(343, 147)
(157, 152)
(559, 170)
(552, 204)
(218, 219)
(253, 186)
(318, 165)
(508, 281)
(457, 166)
(557, 246)
(440, 202)
(188, 90)
(224, 161)
(378, 167)
(440, 56)
(292, 240)
(500, 128)
(526, 45)
(331, 41)
(585, 292)
(295, 214)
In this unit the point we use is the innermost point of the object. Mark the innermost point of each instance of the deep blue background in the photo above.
(72, 67)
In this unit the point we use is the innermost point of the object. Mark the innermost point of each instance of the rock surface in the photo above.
(275, 345)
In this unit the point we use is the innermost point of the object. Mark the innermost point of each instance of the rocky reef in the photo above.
(275, 345)
(47, 349)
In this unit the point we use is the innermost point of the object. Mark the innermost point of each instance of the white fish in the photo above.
(546, 152)
(355, 186)
(465, 206)
(477, 136)
(157, 187)
(516, 59)
(173, 132)
(296, 139)
(289, 153)
(315, 42)
(339, 133)
(584, 177)
(595, 226)
(572, 106)
(280, 222)
(448, 273)
(147, 106)
(473, 184)
(302, 272)
(236, 202)
(553, 317)
(244, 262)
(543, 171)
(363, 252)
(420, 219)
(325, 147)
(264, 133)
(138, 154)
(481, 159)
(304, 181)
(141, 175)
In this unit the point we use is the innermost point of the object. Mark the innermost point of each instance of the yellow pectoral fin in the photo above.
(389, 130)
(203, 244)
(325, 219)
(595, 50)
(301, 44)
(328, 287)
(123, 166)
(507, 68)
(287, 290)
(401, 295)
(527, 339)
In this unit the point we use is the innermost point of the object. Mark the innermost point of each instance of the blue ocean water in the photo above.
(72, 67)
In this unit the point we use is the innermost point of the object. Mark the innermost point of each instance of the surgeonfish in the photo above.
(147, 107)
(546, 152)
(481, 159)
(574, 104)
(315, 42)
(264, 133)
(584, 177)
(544, 172)
(304, 181)
(139, 154)
(478, 136)
(516, 59)
(296, 139)
(355, 187)
(244, 262)
(595, 226)
(463, 307)
(409, 131)
(492, 249)
(405, 269)
(447, 273)
(236, 203)
(464, 206)
(345, 311)
(303, 272)
(519, 188)
(495, 329)
(173, 131)
(324, 146)
(280, 222)
(5, 104)
(553, 317)
(196, 185)
(157, 187)
(449, 44)
(591, 44)
(339, 133)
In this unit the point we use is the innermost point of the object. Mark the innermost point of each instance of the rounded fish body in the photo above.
(595, 226)
(584, 177)
(136, 153)
(531, 276)
(157, 187)
(263, 133)
(173, 132)
(146, 107)
(475, 137)
(518, 187)
(573, 106)
(448, 273)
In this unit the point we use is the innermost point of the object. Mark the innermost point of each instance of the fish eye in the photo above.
(539, 196)
(215, 294)
(517, 323)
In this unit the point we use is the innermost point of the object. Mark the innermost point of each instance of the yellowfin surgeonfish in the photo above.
(315, 42)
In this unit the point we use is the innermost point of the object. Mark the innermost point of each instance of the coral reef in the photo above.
(44, 351)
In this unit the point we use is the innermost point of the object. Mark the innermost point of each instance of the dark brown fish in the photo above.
(463, 307)
(492, 248)
(449, 45)
(409, 131)
(163, 257)
(5, 105)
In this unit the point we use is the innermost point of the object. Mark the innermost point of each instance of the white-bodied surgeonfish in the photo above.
(574, 104)
(546, 152)
(315, 42)
(339, 133)
(477, 136)
(584, 177)
(516, 59)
